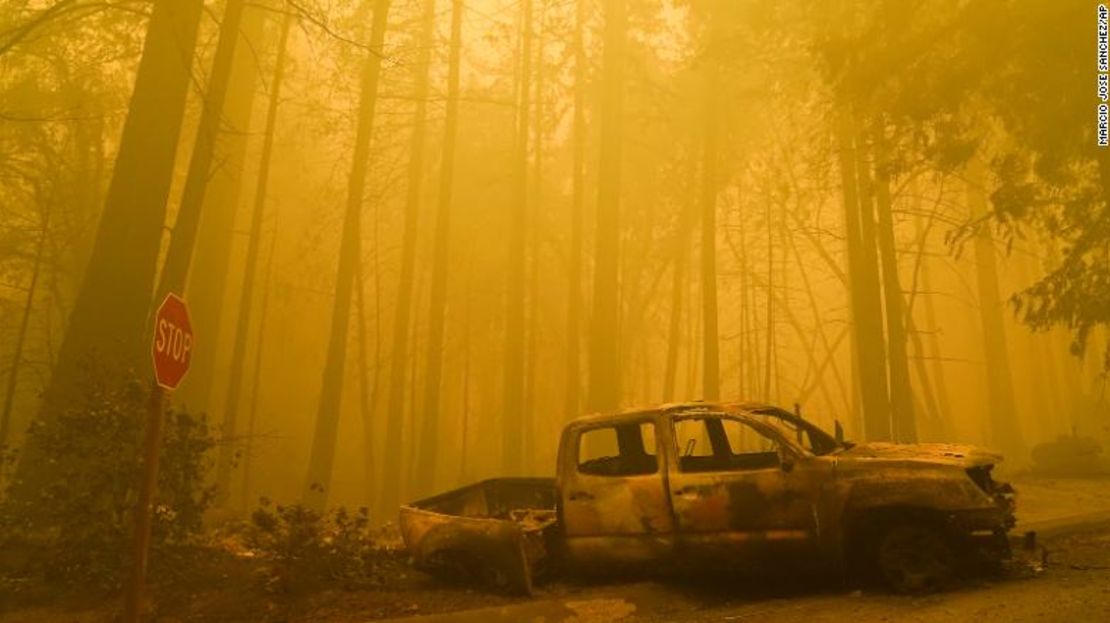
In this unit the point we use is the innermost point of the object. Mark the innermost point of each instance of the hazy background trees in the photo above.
(418, 235)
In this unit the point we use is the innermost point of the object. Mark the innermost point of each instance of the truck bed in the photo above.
(499, 530)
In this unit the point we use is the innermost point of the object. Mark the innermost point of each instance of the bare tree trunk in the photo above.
(769, 336)
(212, 255)
(1005, 429)
(256, 373)
(21, 338)
(115, 295)
(179, 256)
(928, 348)
(437, 302)
(604, 356)
(513, 430)
(711, 381)
(578, 173)
(674, 330)
(327, 418)
(464, 450)
(903, 424)
(367, 385)
(680, 260)
(399, 361)
(532, 236)
(250, 269)
(870, 352)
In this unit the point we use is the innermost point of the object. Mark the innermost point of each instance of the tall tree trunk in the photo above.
(464, 426)
(744, 384)
(674, 327)
(903, 424)
(769, 345)
(115, 295)
(1002, 416)
(604, 354)
(512, 412)
(227, 449)
(367, 386)
(21, 338)
(402, 324)
(217, 220)
(532, 235)
(437, 299)
(870, 352)
(179, 256)
(932, 350)
(711, 382)
(680, 283)
(256, 373)
(322, 457)
(578, 193)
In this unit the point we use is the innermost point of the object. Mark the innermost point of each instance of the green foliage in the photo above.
(304, 550)
(1010, 82)
(77, 529)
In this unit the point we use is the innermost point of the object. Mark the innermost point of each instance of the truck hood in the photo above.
(955, 455)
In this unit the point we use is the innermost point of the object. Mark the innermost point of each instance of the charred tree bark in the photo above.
(327, 418)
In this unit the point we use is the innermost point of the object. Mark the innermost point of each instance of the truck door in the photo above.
(732, 494)
(614, 503)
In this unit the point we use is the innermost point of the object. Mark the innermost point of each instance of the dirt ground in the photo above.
(1073, 586)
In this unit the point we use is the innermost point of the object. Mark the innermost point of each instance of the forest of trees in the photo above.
(418, 236)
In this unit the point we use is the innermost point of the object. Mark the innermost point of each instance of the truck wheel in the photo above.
(914, 558)
(493, 577)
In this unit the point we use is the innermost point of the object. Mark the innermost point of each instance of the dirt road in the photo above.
(1074, 587)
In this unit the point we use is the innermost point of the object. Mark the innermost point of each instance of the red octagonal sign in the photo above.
(173, 342)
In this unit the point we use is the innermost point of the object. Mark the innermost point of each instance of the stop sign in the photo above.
(173, 342)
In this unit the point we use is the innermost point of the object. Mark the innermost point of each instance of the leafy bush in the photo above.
(77, 527)
(303, 550)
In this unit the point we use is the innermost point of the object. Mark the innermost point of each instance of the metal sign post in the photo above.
(172, 351)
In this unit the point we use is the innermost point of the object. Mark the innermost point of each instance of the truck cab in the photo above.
(696, 480)
(744, 484)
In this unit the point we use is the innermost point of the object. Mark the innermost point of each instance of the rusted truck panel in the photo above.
(497, 530)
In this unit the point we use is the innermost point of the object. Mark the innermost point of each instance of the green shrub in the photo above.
(77, 527)
(302, 550)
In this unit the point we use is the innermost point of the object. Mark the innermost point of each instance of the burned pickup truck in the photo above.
(743, 485)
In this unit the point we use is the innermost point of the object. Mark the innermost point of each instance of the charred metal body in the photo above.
(730, 483)
(497, 530)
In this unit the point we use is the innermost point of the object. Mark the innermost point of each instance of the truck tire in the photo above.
(914, 557)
